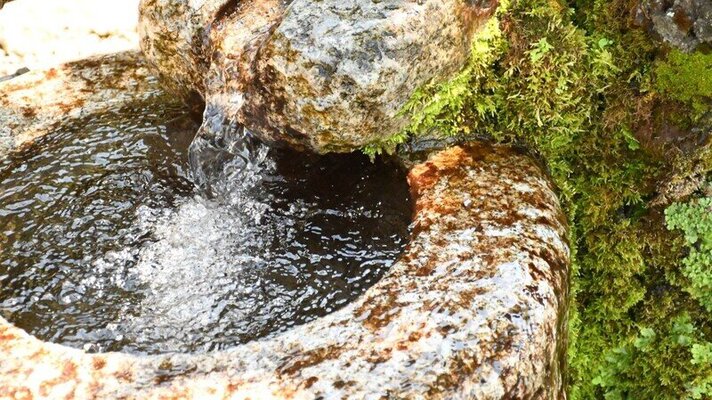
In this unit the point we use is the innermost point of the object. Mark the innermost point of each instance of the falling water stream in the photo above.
(111, 243)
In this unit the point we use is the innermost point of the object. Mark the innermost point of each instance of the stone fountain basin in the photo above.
(475, 308)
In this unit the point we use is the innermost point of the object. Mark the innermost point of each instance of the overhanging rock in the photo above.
(326, 75)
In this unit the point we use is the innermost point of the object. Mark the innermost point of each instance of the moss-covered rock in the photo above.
(621, 123)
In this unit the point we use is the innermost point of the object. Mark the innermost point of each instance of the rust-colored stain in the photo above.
(29, 112)
(98, 363)
(71, 395)
(295, 364)
(460, 367)
(380, 356)
(69, 374)
(380, 313)
(426, 269)
(51, 73)
(474, 13)
(232, 387)
(125, 375)
(6, 336)
(683, 20)
(310, 382)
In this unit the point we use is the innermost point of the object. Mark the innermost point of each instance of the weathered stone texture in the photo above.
(173, 35)
(685, 24)
(37, 102)
(474, 309)
(327, 76)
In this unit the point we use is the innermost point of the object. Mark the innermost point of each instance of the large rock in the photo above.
(330, 75)
(474, 309)
(685, 24)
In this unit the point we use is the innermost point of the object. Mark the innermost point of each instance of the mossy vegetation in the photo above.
(590, 94)
(695, 220)
(686, 78)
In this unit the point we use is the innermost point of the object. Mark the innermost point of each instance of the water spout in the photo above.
(220, 149)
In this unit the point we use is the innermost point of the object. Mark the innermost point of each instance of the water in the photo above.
(108, 245)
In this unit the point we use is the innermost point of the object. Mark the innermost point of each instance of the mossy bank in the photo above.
(623, 122)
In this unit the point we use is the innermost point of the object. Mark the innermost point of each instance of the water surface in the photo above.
(108, 246)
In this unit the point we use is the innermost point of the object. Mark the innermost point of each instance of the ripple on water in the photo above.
(108, 246)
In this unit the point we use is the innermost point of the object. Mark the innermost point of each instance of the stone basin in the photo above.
(475, 308)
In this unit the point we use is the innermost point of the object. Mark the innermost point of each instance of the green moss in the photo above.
(695, 220)
(686, 78)
(441, 106)
(573, 84)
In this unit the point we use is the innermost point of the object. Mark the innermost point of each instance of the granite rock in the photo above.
(475, 308)
(173, 36)
(327, 76)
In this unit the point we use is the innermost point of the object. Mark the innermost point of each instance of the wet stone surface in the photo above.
(474, 308)
(37, 102)
(330, 76)
(108, 247)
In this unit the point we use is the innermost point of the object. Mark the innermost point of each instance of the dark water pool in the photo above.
(108, 246)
